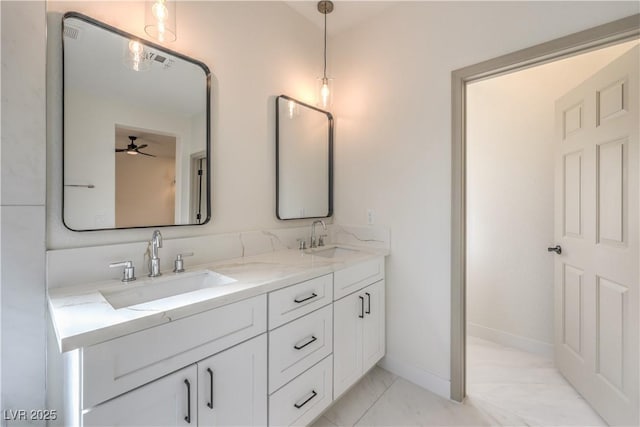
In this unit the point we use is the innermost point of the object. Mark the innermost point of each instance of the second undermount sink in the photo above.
(332, 252)
(163, 287)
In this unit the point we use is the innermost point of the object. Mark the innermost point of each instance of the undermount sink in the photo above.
(164, 287)
(333, 252)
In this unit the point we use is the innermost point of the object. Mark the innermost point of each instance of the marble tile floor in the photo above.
(516, 388)
(381, 398)
(506, 387)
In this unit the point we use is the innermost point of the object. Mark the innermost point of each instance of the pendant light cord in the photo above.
(324, 75)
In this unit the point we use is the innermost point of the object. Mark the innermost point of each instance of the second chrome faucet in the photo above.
(154, 261)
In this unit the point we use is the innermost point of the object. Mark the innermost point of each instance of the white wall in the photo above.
(393, 144)
(510, 172)
(22, 321)
(255, 50)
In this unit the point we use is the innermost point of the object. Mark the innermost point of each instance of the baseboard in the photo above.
(510, 340)
(418, 376)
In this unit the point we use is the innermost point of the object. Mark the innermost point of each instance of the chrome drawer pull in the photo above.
(298, 301)
(300, 405)
(300, 347)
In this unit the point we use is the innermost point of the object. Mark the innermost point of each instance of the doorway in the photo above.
(511, 142)
(606, 35)
(144, 160)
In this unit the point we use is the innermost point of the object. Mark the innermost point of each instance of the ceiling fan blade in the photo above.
(142, 146)
(120, 150)
(145, 154)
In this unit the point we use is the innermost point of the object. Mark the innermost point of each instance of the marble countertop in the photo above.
(82, 317)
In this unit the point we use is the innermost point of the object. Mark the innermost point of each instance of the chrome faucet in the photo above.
(154, 262)
(314, 242)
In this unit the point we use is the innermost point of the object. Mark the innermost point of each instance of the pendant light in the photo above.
(325, 84)
(160, 19)
(136, 56)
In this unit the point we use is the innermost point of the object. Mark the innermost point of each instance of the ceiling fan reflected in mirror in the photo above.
(133, 148)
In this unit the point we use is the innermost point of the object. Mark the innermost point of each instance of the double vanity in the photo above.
(271, 339)
(263, 335)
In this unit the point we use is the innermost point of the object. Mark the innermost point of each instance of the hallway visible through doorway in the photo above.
(512, 217)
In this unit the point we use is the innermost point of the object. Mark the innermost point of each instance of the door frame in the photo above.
(584, 41)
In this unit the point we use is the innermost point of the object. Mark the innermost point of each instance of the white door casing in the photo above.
(597, 197)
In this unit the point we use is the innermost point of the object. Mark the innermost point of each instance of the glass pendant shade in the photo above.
(160, 19)
(293, 109)
(325, 92)
(136, 56)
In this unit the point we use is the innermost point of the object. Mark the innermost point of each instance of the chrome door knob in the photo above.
(557, 249)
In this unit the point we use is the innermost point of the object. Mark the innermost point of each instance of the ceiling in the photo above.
(157, 144)
(94, 65)
(345, 15)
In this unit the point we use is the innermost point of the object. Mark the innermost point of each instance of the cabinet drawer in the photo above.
(296, 346)
(114, 367)
(357, 277)
(303, 399)
(295, 301)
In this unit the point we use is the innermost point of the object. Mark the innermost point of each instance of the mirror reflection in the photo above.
(304, 146)
(136, 131)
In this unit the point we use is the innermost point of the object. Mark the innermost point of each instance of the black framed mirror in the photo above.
(304, 160)
(136, 133)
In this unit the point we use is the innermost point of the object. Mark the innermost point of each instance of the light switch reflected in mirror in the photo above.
(136, 131)
(304, 160)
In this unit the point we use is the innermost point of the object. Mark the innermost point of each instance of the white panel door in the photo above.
(169, 401)
(232, 386)
(597, 188)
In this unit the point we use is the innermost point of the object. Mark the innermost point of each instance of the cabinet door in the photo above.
(347, 342)
(164, 402)
(232, 386)
(373, 332)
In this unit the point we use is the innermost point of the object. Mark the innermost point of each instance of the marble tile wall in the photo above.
(68, 267)
(371, 236)
(22, 211)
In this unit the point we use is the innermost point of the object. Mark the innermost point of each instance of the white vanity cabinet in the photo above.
(300, 347)
(165, 367)
(232, 386)
(278, 358)
(169, 401)
(359, 335)
(226, 389)
(324, 335)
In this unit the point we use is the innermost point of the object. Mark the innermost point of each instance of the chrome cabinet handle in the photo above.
(361, 315)
(300, 405)
(298, 301)
(210, 403)
(300, 347)
(188, 417)
(368, 303)
(557, 249)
